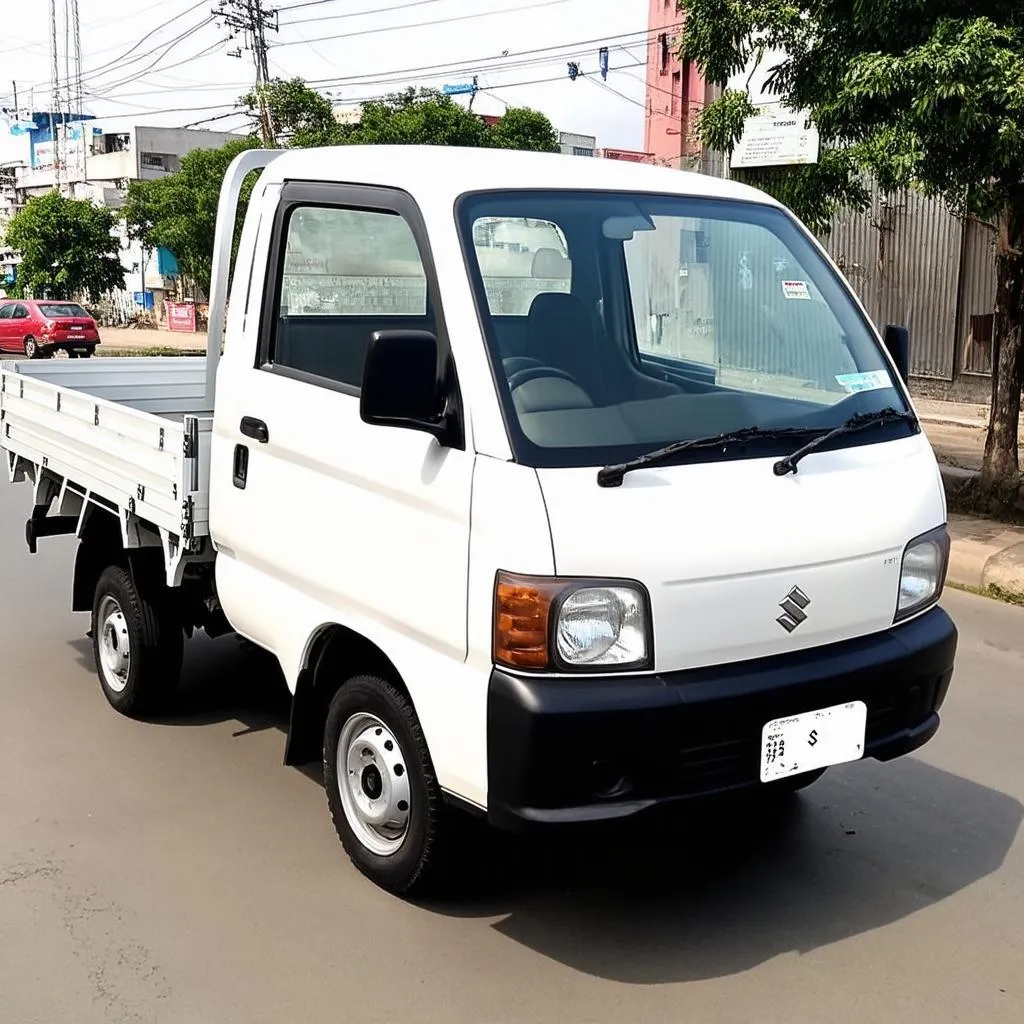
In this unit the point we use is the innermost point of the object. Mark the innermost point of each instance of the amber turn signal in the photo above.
(522, 610)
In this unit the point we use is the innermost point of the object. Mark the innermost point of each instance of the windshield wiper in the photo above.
(611, 476)
(861, 421)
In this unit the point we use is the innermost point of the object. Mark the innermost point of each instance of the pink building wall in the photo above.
(675, 91)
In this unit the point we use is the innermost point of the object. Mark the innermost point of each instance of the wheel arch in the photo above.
(333, 654)
(99, 545)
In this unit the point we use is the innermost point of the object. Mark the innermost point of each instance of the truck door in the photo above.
(313, 511)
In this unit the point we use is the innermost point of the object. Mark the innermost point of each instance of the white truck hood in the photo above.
(721, 545)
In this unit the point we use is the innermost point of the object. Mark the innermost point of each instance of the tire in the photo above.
(32, 350)
(138, 651)
(369, 721)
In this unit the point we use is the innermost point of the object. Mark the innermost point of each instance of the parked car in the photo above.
(40, 328)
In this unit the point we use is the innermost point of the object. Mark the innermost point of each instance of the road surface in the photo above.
(178, 873)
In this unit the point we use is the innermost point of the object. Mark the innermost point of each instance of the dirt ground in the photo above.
(121, 338)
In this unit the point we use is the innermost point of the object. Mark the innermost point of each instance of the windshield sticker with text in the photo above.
(795, 290)
(871, 380)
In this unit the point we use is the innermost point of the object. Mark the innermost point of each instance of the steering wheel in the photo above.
(524, 376)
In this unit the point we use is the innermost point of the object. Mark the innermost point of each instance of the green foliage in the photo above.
(179, 212)
(299, 115)
(922, 93)
(418, 118)
(523, 128)
(67, 248)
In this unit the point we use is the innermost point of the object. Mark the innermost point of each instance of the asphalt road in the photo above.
(177, 873)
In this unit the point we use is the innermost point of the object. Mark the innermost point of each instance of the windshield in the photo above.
(53, 310)
(619, 323)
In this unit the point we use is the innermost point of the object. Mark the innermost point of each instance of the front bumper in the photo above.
(572, 750)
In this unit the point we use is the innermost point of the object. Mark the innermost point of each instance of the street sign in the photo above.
(458, 90)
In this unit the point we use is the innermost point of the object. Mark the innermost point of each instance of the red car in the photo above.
(38, 328)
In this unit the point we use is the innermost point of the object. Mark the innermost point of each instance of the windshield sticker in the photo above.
(871, 380)
(795, 290)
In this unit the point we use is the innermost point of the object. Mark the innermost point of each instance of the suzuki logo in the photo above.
(793, 609)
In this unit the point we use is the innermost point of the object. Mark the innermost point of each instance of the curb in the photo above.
(986, 555)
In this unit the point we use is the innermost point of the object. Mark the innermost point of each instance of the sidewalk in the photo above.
(986, 554)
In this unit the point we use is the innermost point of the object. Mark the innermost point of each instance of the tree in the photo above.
(67, 248)
(523, 128)
(415, 118)
(298, 115)
(179, 212)
(927, 94)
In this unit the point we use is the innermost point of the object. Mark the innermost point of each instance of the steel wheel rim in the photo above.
(374, 784)
(114, 644)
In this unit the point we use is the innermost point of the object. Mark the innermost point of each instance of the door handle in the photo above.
(240, 470)
(256, 429)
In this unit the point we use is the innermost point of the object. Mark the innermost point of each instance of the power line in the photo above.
(350, 14)
(135, 76)
(492, 63)
(428, 24)
(471, 64)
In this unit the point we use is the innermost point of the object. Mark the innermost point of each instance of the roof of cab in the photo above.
(453, 171)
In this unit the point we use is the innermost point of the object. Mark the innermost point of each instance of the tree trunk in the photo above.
(999, 486)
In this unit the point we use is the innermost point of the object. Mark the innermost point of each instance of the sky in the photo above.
(167, 63)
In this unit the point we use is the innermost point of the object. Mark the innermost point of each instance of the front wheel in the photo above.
(381, 789)
(138, 653)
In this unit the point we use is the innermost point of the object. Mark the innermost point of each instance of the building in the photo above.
(90, 161)
(676, 94)
(87, 153)
(633, 156)
(577, 145)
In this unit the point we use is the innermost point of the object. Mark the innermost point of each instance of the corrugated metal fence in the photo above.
(913, 262)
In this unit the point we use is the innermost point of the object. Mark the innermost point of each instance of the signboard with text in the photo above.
(181, 317)
(777, 137)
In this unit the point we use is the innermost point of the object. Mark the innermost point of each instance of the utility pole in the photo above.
(79, 91)
(55, 85)
(252, 19)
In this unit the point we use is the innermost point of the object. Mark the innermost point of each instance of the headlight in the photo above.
(923, 572)
(571, 625)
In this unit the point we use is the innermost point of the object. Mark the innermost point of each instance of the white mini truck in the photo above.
(561, 489)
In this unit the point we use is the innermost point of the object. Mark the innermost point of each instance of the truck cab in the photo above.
(562, 490)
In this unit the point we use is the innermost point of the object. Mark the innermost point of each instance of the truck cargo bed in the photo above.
(132, 435)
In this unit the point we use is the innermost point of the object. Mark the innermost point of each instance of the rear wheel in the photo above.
(138, 652)
(32, 350)
(384, 798)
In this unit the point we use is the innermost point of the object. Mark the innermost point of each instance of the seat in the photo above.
(560, 333)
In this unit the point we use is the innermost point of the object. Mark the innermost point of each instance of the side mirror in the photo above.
(897, 344)
(404, 385)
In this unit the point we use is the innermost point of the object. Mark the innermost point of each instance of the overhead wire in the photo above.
(350, 14)
(428, 24)
(494, 63)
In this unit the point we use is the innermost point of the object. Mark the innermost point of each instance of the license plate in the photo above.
(817, 739)
(77, 328)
